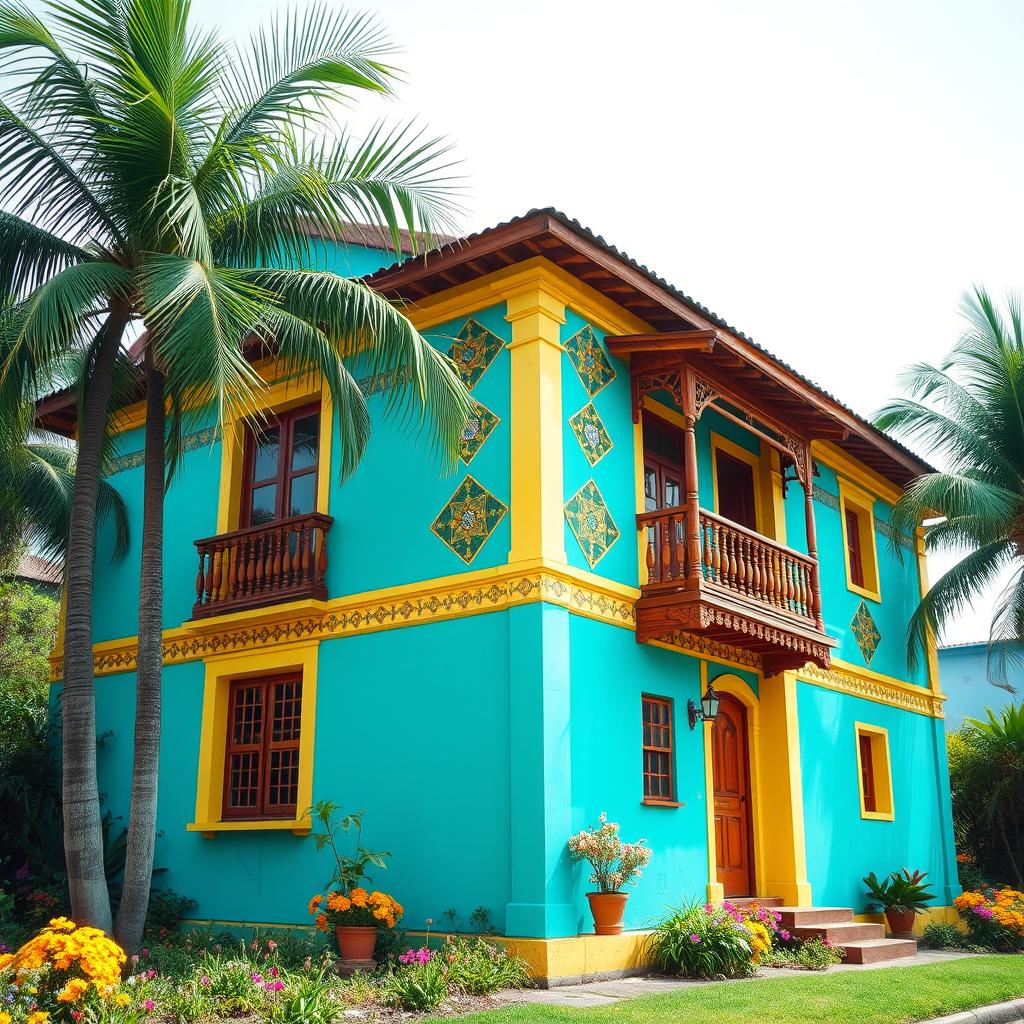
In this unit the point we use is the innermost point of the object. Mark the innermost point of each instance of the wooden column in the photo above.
(812, 534)
(690, 474)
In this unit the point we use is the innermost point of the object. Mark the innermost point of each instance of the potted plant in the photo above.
(355, 913)
(902, 896)
(614, 864)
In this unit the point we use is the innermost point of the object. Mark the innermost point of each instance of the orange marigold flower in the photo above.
(321, 922)
(73, 991)
(338, 902)
(314, 904)
(359, 896)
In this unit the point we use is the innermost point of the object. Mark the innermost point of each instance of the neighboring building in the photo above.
(39, 573)
(647, 503)
(963, 670)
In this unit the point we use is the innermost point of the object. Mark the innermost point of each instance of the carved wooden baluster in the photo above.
(680, 543)
(304, 534)
(215, 565)
(322, 561)
(755, 583)
(275, 565)
(675, 561)
(805, 590)
(231, 577)
(716, 551)
(208, 583)
(250, 566)
(812, 611)
(649, 559)
(734, 564)
(201, 577)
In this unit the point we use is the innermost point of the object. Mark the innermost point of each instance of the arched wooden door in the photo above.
(731, 771)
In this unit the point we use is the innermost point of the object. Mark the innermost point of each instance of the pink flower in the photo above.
(785, 935)
(149, 1005)
(144, 951)
(257, 978)
(205, 980)
(708, 908)
(695, 938)
(151, 974)
(76, 1014)
(271, 945)
(135, 960)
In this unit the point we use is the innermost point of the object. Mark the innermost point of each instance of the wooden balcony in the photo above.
(731, 584)
(285, 560)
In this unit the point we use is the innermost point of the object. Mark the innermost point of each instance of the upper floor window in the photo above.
(281, 466)
(261, 769)
(657, 724)
(663, 465)
(861, 555)
(736, 482)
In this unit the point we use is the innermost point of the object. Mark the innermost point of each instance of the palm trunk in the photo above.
(83, 832)
(138, 871)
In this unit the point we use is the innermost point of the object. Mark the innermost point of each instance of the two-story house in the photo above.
(650, 512)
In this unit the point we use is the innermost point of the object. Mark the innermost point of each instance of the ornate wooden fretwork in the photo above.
(907, 697)
(650, 383)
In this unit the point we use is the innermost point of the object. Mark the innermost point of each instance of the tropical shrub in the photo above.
(994, 918)
(418, 984)
(165, 911)
(900, 890)
(939, 935)
(703, 942)
(613, 863)
(813, 954)
(63, 965)
(986, 774)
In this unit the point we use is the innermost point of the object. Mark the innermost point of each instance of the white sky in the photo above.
(829, 176)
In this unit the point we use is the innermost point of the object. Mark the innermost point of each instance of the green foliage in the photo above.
(986, 771)
(28, 633)
(813, 954)
(943, 936)
(166, 909)
(419, 987)
(480, 968)
(308, 1000)
(901, 890)
(699, 944)
(966, 413)
(348, 870)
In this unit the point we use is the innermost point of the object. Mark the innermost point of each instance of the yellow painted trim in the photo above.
(666, 412)
(931, 646)
(870, 685)
(744, 693)
(641, 500)
(862, 503)
(775, 501)
(538, 272)
(785, 844)
(881, 765)
(281, 394)
(581, 957)
(863, 476)
(720, 443)
(537, 517)
(221, 669)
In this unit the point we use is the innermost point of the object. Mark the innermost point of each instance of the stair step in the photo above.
(758, 901)
(840, 933)
(800, 917)
(873, 951)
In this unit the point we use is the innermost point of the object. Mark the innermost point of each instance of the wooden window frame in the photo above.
(265, 747)
(669, 751)
(873, 740)
(753, 459)
(860, 505)
(285, 421)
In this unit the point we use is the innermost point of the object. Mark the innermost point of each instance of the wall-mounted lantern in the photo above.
(708, 710)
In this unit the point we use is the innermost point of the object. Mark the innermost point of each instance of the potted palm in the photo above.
(902, 896)
(613, 864)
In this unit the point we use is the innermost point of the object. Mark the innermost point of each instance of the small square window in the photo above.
(874, 773)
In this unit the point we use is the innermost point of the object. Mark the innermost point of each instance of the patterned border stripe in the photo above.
(826, 498)
(588, 356)
(190, 442)
(468, 519)
(894, 536)
(591, 522)
(591, 434)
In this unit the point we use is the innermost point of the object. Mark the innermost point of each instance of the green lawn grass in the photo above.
(891, 995)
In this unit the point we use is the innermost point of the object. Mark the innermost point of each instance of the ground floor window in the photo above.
(657, 730)
(874, 772)
(261, 766)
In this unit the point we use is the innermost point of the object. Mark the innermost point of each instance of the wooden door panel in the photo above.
(731, 772)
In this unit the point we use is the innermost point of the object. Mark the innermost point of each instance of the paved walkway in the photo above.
(603, 993)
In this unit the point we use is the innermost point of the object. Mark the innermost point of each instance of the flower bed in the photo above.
(993, 918)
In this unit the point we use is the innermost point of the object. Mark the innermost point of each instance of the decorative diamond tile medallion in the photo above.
(468, 519)
(477, 429)
(590, 433)
(591, 522)
(473, 350)
(590, 360)
(866, 632)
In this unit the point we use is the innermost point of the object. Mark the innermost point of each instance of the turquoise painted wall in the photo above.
(842, 847)
(899, 590)
(610, 672)
(963, 670)
(406, 729)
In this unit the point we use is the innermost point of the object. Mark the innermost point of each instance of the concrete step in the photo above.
(840, 934)
(758, 901)
(801, 917)
(873, 951)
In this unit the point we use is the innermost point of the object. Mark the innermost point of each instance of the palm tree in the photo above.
(969, 412)
(150, 174)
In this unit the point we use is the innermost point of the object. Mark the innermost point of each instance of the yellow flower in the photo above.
(38, 1017)
(73, 991)
(121, 999)
(5, 961)
(5, 1017)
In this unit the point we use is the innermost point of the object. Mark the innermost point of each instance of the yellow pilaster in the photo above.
(931, 650)
(536, 314)
(785, 849)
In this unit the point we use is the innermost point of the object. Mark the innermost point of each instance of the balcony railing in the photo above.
(730, 558)
(285, 560)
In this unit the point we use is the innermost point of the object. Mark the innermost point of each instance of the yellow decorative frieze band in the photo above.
(473, 593)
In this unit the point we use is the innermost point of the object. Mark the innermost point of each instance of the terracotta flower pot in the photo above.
(901, 922)
(607, 909)
(356, 943)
